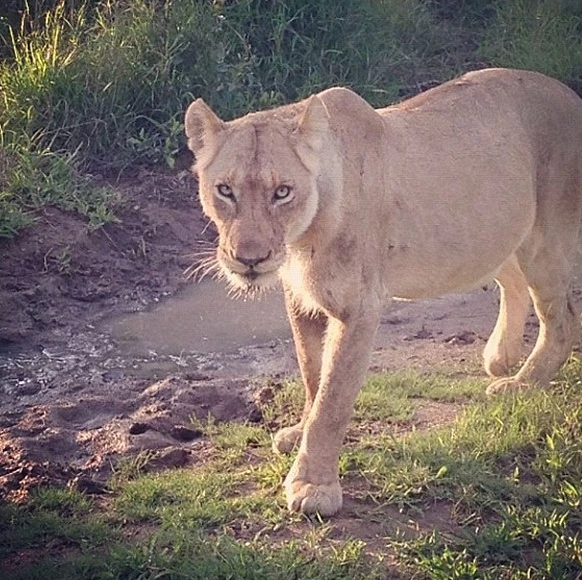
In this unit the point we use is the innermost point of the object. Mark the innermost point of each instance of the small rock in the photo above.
(168, 459)
(31, 388)
(461, 338)
(265, 395)
(186, 434)
(255, 415)
(138, 428)
(87, 485)
(12, 480)
(423, 334)
(112, 375)
(196, 377)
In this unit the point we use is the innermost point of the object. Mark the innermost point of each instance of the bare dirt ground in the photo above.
(72, 404)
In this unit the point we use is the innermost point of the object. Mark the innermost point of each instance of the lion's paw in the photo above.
(309, 498)
(287, 439)
(506, 385)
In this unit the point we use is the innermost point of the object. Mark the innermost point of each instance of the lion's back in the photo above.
(502, 99)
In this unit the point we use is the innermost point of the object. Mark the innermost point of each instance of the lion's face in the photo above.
(257, 181)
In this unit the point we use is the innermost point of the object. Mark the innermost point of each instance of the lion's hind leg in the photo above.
(549, 281)
(546, 258)
(504, 347)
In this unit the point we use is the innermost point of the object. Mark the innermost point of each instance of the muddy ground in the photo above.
(72, 403)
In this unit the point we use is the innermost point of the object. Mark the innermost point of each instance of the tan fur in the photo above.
(479, 178)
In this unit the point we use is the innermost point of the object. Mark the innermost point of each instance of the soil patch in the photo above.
(58, 276)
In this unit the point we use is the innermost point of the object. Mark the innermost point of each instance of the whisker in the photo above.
(206, 243)
(208, 224)
(205, 263)
(202, 271)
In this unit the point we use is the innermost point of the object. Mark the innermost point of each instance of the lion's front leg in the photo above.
(312, 485)
(308, 333)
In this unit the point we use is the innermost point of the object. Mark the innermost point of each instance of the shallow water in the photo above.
(203, 319)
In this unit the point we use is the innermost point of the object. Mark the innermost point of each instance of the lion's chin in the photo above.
(251, 284)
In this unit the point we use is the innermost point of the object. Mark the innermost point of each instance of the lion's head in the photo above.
(257, 177)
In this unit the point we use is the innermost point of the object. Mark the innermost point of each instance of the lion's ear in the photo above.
(314, 123)
(201, 125)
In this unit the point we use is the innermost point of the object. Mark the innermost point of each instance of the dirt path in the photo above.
(74, 401)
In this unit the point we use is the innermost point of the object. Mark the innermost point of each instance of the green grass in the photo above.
(31, 179)
(108, 82)
(545, 35)
(496, 492)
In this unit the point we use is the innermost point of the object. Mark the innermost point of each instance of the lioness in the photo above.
(478, 179)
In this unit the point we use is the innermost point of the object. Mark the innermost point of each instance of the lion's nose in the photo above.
(252, 261)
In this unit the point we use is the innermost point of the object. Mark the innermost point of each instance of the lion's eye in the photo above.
(283, 193)
(225, 191)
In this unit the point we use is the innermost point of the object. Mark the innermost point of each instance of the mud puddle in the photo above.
(203, 329)
(204, 319)
(132, 385)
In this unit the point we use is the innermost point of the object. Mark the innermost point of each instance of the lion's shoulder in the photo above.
(352, 119)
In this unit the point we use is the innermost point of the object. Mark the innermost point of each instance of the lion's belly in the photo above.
(432, 283)
(458, 258)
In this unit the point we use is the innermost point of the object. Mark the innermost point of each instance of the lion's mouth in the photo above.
(252, 280)
(250, 275)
